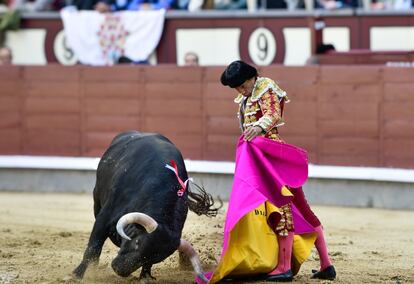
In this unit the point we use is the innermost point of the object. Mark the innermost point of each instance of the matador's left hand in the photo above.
(252, 132)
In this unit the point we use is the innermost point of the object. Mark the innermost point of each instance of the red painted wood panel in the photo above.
(401, 92)
(9, 103)
(10, 73)
(109, 89)
(53, 121)
(350, 93)
(110, 106)
(52, 88)
(345, 74)
(10, 141)
(282, 74)
(128, 73)
(397, 74)
(10, 88)
(51, 104)
(52, 142)
(111, 123)
(51, 73)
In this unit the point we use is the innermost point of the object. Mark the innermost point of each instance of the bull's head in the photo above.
(146, 244)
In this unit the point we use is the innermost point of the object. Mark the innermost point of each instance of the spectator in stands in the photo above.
(5, 56)
(230, 4)
(84, 4)
(198, 5)
(336, 4)
(390, 4)
(253, 5)
(324, 48)
(320, 49)
(281, 4)
(121, 5)
(37, 5)
(181, 4)
(191, 59)
(126, 60)
(403, 4)
(275, 4)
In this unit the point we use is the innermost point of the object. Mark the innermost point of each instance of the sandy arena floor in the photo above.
(43, 236)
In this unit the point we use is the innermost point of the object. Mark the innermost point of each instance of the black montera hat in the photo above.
(237, 73)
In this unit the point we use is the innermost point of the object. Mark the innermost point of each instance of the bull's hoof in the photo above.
(144, 281)
(78, 272)
(70, 279)
(145, 277)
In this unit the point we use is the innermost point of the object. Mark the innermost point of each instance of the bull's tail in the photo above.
(201, 202)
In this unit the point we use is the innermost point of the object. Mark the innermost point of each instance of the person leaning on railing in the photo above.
(84, 4)
(390, 4)
(132, 5)
(336, 4)
(37, 5)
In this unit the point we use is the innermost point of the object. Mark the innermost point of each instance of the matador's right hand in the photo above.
(252, 132)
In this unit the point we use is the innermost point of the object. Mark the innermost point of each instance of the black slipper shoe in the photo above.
(282, 277)
(328, 273)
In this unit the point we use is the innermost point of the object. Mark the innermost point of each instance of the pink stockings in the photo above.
(285, 243)
(322, 248)
(302, 205)
(285, 254)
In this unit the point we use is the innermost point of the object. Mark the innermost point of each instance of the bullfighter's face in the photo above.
(247, 87)
(143, 249)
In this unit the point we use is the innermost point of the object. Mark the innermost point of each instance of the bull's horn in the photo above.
(186, 248)
(142, 219)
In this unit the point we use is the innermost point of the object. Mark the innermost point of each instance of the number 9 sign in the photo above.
(262, 46)
(63, 53)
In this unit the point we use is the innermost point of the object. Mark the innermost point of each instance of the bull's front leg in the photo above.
(145, 275)
(93, 250)
(186, 248)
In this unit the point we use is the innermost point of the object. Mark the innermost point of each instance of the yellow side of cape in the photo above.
(253, 247)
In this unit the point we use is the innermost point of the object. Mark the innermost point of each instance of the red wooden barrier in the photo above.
(356, 115)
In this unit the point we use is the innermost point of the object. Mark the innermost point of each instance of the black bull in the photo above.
(137, 206)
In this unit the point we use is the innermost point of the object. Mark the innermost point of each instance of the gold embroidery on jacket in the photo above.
(285, 224)
(266, 97)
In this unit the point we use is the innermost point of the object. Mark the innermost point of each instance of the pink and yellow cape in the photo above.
(265, 170)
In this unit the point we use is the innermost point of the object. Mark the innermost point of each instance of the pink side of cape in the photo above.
(263, 167)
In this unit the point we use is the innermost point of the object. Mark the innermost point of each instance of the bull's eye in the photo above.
(136, 245)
